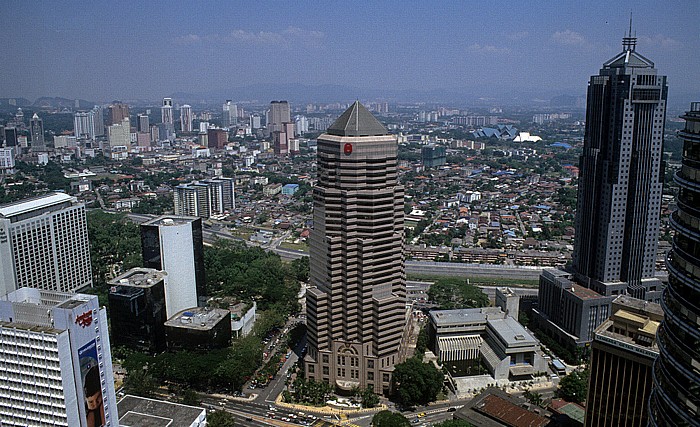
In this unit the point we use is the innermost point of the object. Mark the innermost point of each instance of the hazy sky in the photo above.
(148, 49)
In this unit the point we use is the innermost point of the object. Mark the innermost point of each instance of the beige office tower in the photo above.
(356, 303)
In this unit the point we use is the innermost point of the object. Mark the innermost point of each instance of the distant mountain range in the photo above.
(300, 94)
(47, 102)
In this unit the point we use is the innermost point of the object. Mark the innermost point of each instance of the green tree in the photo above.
(574, 387)
(533, 397)
(415, 382)
(140, 382)
(300, 268)
(422, 342)
(233, 269)
(389, 419)
(450, 293)
(115, 245)
(220, 419)
(191, 398)
(367, 396)
(308, 392)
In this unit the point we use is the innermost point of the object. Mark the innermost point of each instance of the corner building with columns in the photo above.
(356, 306)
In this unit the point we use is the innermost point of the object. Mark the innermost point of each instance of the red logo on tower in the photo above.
(347, 149)
(84, 319)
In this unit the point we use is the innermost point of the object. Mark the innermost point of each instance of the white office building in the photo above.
(174, 244)
(55, 361)
(44, 244)
(84, 124)
(186, 118)
(166, 111)
(120, 134)
(7, 160)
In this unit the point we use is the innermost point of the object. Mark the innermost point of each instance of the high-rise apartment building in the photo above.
(192, 200)
(7, 160)
(217, 138)
(255, 121)
(619, 194)
(84, 125)
(186, 118)
(44, 244)
(278, 115)
(676, 396)
(174, 244)
(166, 111)
(118, 112)
(120, 135)
(99, 120)
(221, 194)
(142, 123)
(281, 139)
(55, 361)
(230, 114)
(11, 136)
(356, 303)
(623, 350)
(36, 130)
(205, 198)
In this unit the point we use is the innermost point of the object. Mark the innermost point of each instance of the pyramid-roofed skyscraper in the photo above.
(356, 303)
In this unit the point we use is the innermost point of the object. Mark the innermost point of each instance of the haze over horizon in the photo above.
(107, 50)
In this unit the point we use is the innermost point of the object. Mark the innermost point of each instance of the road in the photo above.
(473, 270)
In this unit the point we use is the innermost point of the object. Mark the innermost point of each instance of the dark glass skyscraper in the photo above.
(356, 303)
(36, 129)
(620, 189)
(676, 396)
(619, 201)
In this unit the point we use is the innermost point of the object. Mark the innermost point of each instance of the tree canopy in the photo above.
(416, 383)
(220, 419)
(234, 269)
(225, 369)
(450, 293)
(389, 419)
(574, 387)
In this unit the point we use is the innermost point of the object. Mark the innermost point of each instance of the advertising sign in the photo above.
(92, 385)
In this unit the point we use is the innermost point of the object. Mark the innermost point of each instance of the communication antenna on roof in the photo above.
(629, 42)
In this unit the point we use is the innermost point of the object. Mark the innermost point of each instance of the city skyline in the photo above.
(90, 51)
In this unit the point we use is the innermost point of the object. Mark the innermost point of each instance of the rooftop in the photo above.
(640, 306)
(27, 205)
(584, 293)
(464, 315)
(494, 407)
(171, 220)
(202, 318)
(142, 412)
(357, 121)
(511, 332)
(631, 329)
(139, 277)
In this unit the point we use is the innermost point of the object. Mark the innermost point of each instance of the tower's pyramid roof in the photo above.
(629, 58)
(357, 121)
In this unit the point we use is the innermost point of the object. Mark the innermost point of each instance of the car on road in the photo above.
(422, 414)
(451, 409)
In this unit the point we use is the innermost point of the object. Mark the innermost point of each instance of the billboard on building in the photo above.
(92, 385)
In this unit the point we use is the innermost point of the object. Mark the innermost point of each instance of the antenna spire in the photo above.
(629, 42)
(630, 32)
